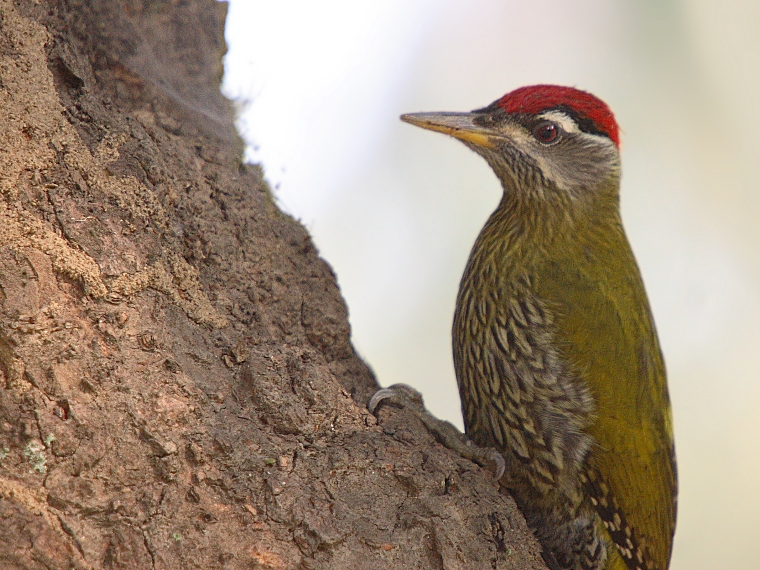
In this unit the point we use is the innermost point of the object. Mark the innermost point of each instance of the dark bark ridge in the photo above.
(177, 384)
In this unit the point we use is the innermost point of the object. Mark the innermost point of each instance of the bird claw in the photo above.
(486, 455)
(404, 396)
(500, 465)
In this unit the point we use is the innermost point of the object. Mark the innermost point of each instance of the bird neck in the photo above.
(531, 227)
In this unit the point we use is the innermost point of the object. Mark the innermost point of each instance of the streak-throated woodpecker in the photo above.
(556, 354)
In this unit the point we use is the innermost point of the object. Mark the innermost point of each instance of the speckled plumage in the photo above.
(556, 354)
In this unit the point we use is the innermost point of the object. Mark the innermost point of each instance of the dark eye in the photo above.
(546, 132)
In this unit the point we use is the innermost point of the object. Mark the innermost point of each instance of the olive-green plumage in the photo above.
(556, 354)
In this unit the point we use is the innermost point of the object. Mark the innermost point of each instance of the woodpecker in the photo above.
(557, 359)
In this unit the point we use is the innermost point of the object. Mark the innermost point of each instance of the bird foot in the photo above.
(403, 396)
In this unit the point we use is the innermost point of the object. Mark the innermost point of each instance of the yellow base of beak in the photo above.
(457, 125)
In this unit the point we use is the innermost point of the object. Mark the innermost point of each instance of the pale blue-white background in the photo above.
(395, 209)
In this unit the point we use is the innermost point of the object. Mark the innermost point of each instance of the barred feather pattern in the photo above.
(520, 398)
(614, 520)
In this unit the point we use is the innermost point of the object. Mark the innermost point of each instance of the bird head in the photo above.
(542, 141)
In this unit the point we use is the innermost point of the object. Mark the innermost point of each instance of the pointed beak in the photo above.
(457, 125)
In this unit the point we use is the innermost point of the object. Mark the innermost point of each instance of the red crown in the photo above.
(537, 98)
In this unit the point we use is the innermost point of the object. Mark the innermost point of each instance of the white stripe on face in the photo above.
(562, 119)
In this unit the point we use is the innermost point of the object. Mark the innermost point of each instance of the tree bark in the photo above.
(177, 383)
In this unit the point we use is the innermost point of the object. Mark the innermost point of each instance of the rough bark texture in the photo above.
(177, 384)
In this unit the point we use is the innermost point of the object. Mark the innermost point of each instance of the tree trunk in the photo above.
(177, 384)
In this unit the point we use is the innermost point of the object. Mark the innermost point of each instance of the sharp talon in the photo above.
(500, 466)
(378, 397)
(406, 394)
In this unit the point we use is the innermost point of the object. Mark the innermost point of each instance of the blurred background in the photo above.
(395, 209)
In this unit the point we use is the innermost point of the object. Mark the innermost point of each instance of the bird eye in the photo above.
(546, 132)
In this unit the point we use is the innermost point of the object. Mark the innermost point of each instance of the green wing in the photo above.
(607, 336)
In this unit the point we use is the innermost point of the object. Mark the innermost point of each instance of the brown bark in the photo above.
(177, 384)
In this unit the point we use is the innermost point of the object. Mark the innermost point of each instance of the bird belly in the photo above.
(520, 398)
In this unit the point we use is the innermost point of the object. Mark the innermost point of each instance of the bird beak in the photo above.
(458, 125)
